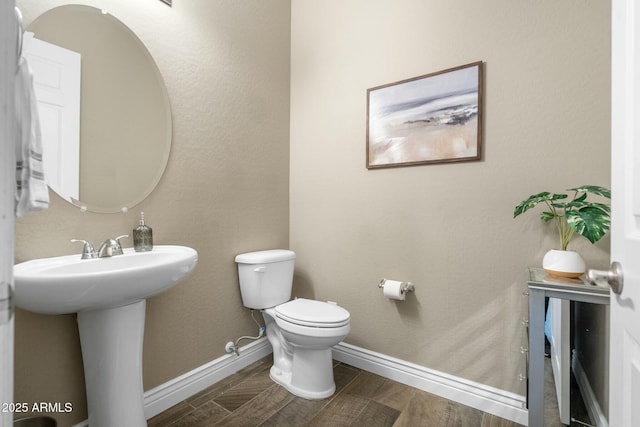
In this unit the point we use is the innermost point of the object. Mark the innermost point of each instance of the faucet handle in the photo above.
(118, 249)
(111, 247)
(87, 250)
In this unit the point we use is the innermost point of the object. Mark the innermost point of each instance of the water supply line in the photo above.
(232, 347)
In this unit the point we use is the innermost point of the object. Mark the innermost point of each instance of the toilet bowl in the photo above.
(301, 331)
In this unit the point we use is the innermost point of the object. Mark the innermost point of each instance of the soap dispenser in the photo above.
(142, 236)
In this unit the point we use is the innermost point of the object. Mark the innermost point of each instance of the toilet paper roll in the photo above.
(392, 289)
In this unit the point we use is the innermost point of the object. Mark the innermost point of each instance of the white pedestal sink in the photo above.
(109, 295)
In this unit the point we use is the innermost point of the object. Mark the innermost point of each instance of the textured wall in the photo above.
(225, 189)
(447, 228)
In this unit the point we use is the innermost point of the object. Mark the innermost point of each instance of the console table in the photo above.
(542, 285)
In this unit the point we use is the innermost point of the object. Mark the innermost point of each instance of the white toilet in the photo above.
(300, 331)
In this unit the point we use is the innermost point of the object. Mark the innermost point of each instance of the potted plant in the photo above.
(571, 215)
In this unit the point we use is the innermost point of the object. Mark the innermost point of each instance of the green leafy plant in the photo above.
(573, 215)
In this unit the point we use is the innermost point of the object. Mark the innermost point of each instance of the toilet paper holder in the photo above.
(406, 286)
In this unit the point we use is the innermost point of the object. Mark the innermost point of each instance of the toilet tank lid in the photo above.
(264, 257)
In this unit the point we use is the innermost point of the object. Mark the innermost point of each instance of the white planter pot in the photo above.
(563, 263)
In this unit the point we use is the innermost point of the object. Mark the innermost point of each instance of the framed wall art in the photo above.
(435, 118)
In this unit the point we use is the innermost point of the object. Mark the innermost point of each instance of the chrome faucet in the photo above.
(111, 247)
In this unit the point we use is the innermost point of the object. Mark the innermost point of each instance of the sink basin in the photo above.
(68, 284)
(109, 295)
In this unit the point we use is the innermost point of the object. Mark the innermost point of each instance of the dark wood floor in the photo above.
(249, 398)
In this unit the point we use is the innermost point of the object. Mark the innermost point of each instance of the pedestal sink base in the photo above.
(111, 340)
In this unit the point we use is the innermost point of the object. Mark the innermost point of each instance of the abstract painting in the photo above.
(435, 118)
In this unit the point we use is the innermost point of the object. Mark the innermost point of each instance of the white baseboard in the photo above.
(588, 396)
(485, 398)
(172, 392)
(488, 399)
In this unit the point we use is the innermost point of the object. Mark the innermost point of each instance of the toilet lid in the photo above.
(307, 312)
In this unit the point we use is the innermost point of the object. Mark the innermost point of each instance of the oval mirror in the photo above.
(125, 116)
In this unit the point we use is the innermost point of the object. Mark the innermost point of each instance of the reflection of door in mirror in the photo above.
(56, 78)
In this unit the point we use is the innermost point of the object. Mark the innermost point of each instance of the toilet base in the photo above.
(311, 376)
(302, 356)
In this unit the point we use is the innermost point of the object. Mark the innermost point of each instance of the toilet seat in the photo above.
(311, 313)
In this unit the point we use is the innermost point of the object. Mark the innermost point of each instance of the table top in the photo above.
(538, 278)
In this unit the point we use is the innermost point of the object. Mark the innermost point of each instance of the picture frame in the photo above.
(433, 118)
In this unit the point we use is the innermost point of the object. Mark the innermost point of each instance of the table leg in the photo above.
(536, 358)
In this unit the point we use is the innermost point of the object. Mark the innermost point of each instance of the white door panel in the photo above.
(624, 368)
(56, 73)
(8, 63)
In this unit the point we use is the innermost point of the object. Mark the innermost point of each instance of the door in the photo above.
(624, 368)
(8, 44)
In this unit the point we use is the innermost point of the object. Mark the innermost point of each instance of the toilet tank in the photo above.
(265, 277)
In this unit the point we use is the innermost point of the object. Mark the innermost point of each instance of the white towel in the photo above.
(32, 193)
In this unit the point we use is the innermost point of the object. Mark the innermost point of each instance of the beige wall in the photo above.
(225, 190)
(447, 228)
